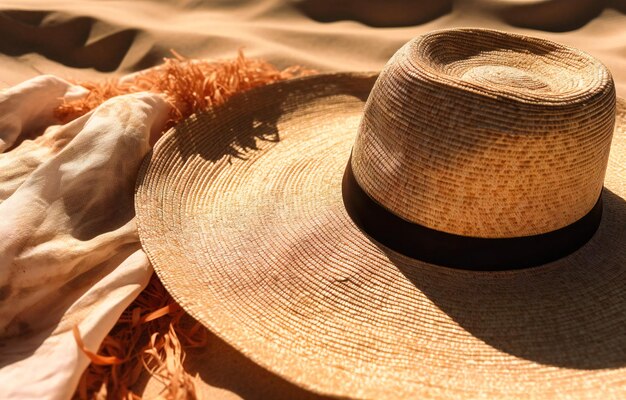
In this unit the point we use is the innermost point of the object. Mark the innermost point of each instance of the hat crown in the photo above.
(487, 134)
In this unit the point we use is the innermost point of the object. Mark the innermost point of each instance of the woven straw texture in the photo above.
(488, 135)
(241, 213)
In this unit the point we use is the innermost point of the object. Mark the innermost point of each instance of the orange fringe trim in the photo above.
(189, 85)
(153, 332)
(151, 335)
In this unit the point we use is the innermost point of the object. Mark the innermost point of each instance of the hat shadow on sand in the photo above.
(219, 365)
(526, 313)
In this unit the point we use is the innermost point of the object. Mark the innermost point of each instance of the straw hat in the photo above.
(447, 236)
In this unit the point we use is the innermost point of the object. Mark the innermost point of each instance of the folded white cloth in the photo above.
(69, 253)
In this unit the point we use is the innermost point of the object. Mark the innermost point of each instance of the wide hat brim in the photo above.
(240, 211)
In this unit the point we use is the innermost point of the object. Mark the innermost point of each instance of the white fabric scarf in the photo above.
(69, 249)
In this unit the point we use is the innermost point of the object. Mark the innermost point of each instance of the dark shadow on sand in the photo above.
(375, 13)
(220, 365)
(67, 42)
(557, 15)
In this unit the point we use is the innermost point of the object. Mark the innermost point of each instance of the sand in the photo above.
(93, 40)
(96, 39)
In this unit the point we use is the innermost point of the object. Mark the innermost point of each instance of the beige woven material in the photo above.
(513, 134)
(240, 211)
